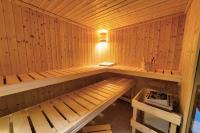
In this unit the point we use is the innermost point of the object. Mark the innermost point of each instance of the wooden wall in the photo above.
(137, 45)
(191, 44)
(32, 41)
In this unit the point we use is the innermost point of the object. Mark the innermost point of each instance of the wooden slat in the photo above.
(66, 113)
(36, 76)
(92, 94)
(12, 79)
(46, 74)
(110, 88)
(75, 106)
(102, 89)
(57, 120)
(39, 121)
(54, 73)
(5, 124)
(88, 98)
(65, 110)
(81, 101)
(20, 123)
(98, 92)
(114, 15)
(142, 128)
(25, 77)
(109, 131)
(96, 128)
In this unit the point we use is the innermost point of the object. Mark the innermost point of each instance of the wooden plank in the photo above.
(98, 92)
(81, 101)
(57, 120)
(26, 21)
(142, 128)
(75, 106)
(1, 81)
(96, 128)
(92, 94)
(39, 121)
(12, 79)
(153, 75)
(102, 89)
(11, 36)
(36, 76)
(111, 88)
(20, 123)
(5, 124)
(4, 49)
(25, 77)
(109, 131)
(21, 44)
(65, 110)
(88, 97)
(54, 73)
(46, 74)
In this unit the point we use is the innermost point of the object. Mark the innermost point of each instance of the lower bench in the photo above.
(67, 113)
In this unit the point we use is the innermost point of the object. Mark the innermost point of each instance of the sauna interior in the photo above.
(85, 66)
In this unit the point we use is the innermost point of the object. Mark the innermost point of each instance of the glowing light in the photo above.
(102, 31)
(101, 46)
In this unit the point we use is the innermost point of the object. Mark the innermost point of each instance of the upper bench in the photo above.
(11, 84)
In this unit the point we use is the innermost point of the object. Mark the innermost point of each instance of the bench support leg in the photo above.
(135, 111)
(172, 128)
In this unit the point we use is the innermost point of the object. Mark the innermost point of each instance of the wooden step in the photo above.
(97, 129)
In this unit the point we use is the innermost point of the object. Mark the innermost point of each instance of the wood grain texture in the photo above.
(45, 116)
(108, 14)
(138, 45)
(36, 96)
(189, 57)
(32, 41)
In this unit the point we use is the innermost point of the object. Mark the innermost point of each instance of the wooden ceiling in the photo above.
(109, 14)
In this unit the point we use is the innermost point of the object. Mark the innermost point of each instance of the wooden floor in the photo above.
(67, 113)
(119, 123)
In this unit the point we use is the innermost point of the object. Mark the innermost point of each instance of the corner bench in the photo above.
(11, 84)
(67, 113)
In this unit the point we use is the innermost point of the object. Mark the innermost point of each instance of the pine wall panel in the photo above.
(137, 45)
(32, 41)
(189, 59)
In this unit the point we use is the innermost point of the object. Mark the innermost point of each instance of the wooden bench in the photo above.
(11, 84)
(168, 75)
(67, 113)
